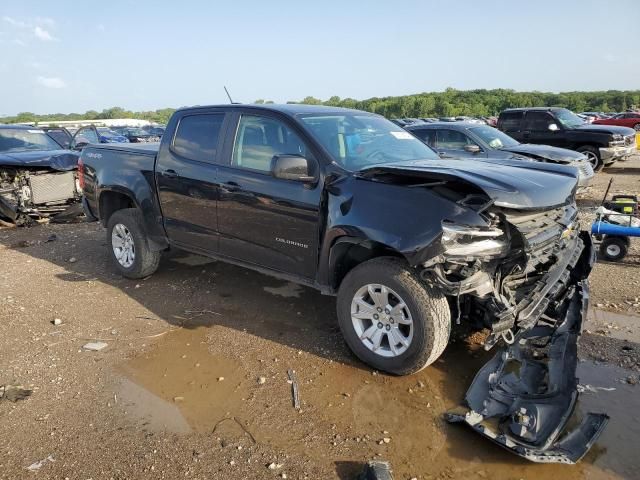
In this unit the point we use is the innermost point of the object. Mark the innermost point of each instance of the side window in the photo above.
(510, 121)
(428, 136)
(538, 121)
(197, 137)
(87, 135)
(453, 140)
(258, 139)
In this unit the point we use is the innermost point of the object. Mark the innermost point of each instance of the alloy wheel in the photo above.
(382, 320)
(123, 245)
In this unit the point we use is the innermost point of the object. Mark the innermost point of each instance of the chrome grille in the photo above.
(584, 168)
(52, 187)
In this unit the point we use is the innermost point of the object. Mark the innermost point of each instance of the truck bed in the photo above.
(136, 148)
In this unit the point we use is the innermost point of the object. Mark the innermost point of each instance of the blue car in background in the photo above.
(107, 135)
(93, 134)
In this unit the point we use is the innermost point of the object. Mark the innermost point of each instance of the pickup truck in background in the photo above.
(349, 203)
(603, 145)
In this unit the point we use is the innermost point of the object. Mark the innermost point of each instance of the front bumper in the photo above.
(525, 396)
(611, 154)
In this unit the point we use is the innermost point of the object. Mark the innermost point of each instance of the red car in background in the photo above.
(627, 119)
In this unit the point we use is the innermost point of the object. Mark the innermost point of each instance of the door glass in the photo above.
(510, 121)
(87, 135)
(258, 139)
(538, 121)
(428, 136)
(197, 137)
(453, 140)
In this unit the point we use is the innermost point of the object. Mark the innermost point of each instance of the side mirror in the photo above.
(553, 127)
(472, 148)
(291, 167)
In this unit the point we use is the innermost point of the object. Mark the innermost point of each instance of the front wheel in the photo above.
(130, 250)
(390, 319)
(593, 155)
(636, 127)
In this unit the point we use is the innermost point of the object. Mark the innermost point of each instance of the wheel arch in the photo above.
(112, 200)
(348, 252)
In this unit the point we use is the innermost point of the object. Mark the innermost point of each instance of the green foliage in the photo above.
(454, 102)
(159, 116)
(449, 103)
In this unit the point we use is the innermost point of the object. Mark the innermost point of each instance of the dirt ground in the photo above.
(193, 382)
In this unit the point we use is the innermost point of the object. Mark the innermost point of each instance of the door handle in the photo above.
(231, 187)
(170, 173)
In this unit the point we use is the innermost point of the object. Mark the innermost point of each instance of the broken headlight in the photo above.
(464, 241)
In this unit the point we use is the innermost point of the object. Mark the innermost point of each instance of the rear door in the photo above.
(536, 129)
(264, 220)
(186, 178)
(511, 124)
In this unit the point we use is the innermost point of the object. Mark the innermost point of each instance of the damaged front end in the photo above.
(525, 276)
(27, 194)
(524, 398)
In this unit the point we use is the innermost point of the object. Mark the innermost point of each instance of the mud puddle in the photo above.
(350, 414)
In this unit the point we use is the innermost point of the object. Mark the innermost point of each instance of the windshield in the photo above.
(360, 141)
(19, 140)
(567, 118)
(494, 137)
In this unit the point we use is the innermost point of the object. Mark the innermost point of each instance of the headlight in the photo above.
(463, 241)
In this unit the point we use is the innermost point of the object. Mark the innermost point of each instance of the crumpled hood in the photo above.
(521, 185)
(61, 160)
(610, 129)
(545, 152)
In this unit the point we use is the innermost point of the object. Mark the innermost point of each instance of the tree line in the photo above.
(449, 103)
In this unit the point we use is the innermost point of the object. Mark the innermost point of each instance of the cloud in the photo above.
(43, 34)
(51, 82)
(14, 22)
(19, 42)
(50, 22)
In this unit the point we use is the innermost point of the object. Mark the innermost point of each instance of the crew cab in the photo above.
(482, 142)
(37, 176)
(351, 204)
(602, 144)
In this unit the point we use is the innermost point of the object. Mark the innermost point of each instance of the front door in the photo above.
(536, 129)
(263, 220)
(186, 175)
(454, 143)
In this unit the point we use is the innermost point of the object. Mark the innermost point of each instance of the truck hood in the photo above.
(608, 129)
(545, 152)
(527, 185)
(61, 160)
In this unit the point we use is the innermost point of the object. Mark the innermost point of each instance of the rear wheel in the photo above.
(130, 250)
(390, 319)
(613, 248)
(593, 155)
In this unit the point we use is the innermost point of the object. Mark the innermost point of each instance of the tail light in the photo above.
(81, 173)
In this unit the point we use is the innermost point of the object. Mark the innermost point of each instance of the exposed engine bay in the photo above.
(28, 194)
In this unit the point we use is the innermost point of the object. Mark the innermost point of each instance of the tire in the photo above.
(144, 261)
(425, 336)
(593, 155)
(636, 127)
(614, 248)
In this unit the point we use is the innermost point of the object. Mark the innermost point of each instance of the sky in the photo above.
(65, 56)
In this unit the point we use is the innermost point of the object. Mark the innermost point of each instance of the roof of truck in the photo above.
(542, 109)
(288, 108)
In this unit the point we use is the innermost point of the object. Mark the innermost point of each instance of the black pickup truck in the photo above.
(602, 144)
(349, 203)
